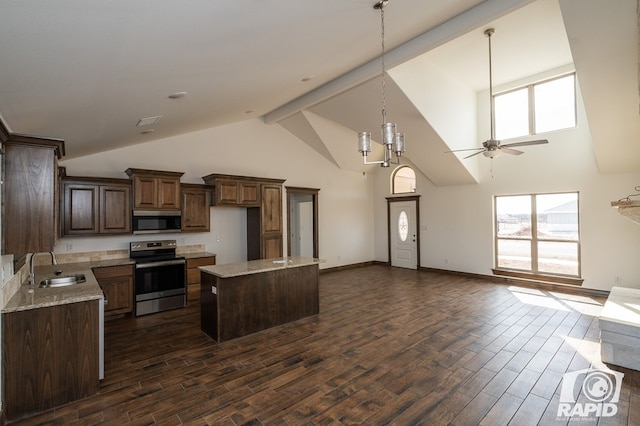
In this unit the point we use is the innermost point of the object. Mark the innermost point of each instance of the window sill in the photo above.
(538, 277)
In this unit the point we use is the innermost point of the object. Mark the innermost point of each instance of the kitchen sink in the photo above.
(61, 281)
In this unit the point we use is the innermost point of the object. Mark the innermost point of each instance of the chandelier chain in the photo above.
(384, 86)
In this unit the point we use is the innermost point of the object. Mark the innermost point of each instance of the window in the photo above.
(403, 180)
(538, 234)
(541, 107)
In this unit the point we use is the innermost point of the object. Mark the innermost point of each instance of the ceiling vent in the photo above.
(148, 121)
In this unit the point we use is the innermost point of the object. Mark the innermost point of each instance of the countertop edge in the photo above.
(251, 267)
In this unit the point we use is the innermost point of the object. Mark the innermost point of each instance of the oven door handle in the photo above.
(160, 263)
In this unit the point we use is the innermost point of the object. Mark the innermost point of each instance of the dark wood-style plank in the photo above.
(390, 346)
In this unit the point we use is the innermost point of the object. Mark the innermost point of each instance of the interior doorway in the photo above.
(302, 222)
(404, 239)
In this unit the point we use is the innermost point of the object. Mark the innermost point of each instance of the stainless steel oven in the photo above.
(160, 276)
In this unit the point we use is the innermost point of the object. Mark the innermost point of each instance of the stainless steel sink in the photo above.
(62, 281)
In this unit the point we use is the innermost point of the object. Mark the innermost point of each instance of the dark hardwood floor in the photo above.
(390, 346)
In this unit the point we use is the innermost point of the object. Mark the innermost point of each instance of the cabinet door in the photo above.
(145, 190)
(115, 209)
(80, 204)
(118, 292)
(271, 246)
(249, 193)
(52, 357)
(117, 284)
(226, 192)
(195, 210)
(271, 209)
(29, 198)
(168, 193)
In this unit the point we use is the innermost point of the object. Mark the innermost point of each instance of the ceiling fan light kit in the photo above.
(392, 140)
(491, 148)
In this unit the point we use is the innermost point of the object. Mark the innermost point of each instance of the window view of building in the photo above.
(538, 233)
(403, 180)
(537, 108)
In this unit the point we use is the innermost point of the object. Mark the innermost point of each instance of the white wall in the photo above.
(248, 148)
(457, 221)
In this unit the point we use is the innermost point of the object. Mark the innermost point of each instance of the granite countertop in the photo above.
(257, 266)
(35, 297)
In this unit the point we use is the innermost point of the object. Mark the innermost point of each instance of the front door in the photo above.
(403, 235)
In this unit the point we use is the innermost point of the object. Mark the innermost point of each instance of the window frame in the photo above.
(531, 104)
(534, 239)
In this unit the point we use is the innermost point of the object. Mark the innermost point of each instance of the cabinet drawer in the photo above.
(201, 261)
(112, 271)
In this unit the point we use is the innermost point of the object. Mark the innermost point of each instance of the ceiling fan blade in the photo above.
(510, 151)
(468, 149)
(525, 143)
(469, 156)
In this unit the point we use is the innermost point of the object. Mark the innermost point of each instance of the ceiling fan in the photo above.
(492, 148)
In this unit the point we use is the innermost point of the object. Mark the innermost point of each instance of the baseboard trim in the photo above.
(535, 284)
(531, 283)
(351, 266)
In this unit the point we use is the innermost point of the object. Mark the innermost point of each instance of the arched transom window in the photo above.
(403, 180)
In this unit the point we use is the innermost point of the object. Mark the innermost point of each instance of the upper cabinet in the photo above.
(30, 194)
(155, 190)
(196, 206)
(263, 199)
(234, 190)
(95, 206)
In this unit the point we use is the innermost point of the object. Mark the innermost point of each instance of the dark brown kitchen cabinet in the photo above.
(271, 221)
(30, 193)
(117, 285)
(50, 357)
(232, 191)
(196, 206)
(94, 206)
(155, 189)
(263, 199)
(193, 274)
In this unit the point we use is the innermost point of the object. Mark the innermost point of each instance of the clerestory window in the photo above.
(537, 108)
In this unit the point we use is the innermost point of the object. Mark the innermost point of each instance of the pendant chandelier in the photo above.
(392, 141)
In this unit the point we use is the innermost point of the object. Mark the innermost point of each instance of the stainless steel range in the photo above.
(159, 276)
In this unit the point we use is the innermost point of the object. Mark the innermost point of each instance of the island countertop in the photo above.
(257, 266)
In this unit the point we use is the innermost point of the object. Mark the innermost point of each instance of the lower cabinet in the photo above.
(117, 285)
(193, 275)
(50, 357)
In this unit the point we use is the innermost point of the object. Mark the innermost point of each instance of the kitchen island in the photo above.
(242, 298)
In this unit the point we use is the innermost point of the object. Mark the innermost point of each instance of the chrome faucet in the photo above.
(32, 275)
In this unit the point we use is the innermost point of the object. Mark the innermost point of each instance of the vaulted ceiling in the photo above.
(88, 71)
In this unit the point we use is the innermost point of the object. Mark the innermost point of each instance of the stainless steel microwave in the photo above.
(156, 221)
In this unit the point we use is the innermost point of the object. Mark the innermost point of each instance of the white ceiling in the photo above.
(87, 70)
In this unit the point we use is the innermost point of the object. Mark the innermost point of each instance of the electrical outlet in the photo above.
(446, 261)
(69, 247)
(618, 279)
